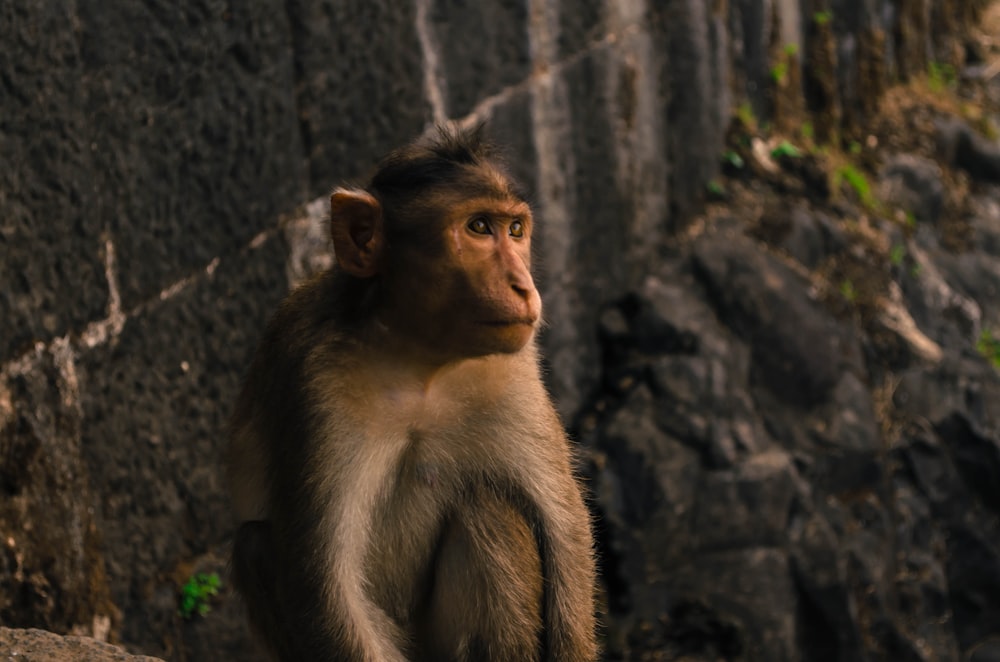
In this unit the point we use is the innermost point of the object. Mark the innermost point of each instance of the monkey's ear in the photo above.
(356, 229)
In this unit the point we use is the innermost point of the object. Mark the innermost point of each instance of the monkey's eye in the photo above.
(480, 225)
(516, 229)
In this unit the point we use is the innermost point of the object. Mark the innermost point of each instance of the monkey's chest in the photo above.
(418, 494)
(434, 451)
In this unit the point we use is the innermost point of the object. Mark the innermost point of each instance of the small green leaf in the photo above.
(778, 72)
(897, 254)
(989, 346)
(848, 291)
(746, 116)
(786, 149)
(857, 181)
(734, 159)
(195, 594)
(940, 75)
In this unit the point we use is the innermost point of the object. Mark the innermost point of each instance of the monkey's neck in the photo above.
(395, 364)
(388, 350)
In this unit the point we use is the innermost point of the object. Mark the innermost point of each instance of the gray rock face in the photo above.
(778, 473)
(966, 149)
(765, 304)
(49, 574)
(484, 47)
(915, 185)
(737, 486)
(356, 87)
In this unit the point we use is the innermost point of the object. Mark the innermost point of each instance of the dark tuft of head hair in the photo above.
(410, 179)
(469, 146)
(432, 161)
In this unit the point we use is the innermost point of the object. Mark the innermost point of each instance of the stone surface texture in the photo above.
(33, 645)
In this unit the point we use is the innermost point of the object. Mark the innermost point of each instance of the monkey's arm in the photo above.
(300, 568)
(300, 575)
(345, 482)
(568, 566)
(566, 545)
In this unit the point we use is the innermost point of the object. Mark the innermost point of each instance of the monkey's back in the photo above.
(270, 412)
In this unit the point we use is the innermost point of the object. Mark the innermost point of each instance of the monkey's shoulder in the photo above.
(306, 333)
(313, 312)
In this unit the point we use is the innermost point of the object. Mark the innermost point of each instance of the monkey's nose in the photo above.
(521, 290)
(521, 282)
(528, 301)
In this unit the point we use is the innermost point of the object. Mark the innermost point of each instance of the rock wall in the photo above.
(166, 165)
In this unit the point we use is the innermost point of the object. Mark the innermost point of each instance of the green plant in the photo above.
(786, 149)
(940, 75)
(196, 592)
(779, 72)
(989, 129)
(857, 181)
(746, 116)
(807, 131)
(848, 290)
(823, 17)
(897, 254)
(854, 148)
(989, 346)
(734, 159)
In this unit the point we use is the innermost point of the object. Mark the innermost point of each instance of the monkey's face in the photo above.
(468, 290)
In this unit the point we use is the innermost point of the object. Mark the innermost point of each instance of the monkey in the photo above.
(404, 486)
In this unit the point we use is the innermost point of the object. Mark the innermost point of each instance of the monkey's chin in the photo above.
(508, 337)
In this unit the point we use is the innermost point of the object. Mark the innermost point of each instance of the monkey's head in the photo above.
(443, 242)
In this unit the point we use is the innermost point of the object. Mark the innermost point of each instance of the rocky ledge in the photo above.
(41, 646)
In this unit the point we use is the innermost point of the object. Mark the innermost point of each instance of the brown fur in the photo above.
(404, 483)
